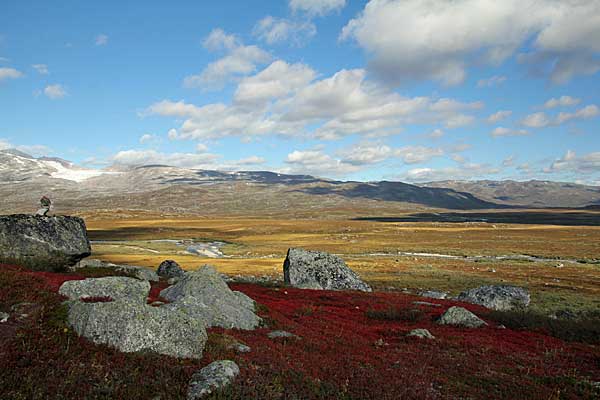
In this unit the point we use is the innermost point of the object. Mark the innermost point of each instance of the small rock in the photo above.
(239, 347)
(4, 317)
(421, 334)
(432, 294)
(282, 334)
(215, 376)
(170, 269)
(461, 317)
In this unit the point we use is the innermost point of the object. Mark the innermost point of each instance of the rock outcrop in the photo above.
(115, 287)
(307, 269)
(131, 326)
(170, 269)
(214, 376)
(43, 243)
(461, 317)
(500, 297)
(421, 334)
(204, 294)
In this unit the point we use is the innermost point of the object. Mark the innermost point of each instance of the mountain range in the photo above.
(24, 179)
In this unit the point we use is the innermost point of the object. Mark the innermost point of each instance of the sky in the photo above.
(405, 90)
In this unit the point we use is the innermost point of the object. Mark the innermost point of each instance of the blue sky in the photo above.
(399, 90)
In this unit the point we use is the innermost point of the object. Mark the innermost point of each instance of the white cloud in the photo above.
(252, 160)
(240, 60)
(365, 153)
(437, 133)
(101, 40)
(55, 91)
(277, 80)
(146, 157)
(563, 101)
(201, 148)
(172, 134)
(276, 30)
(508, 161)
(4, 144)
(9, 73)
(491, 82)
(501, 131)
(147, 138)
(285, 99)
(417, 154)
(541, 120)
(317, 7)
(440, 39)
(462, 172)
(499, 116)
(570, 162)
(41, 69)
(315, 162)
(35, 150)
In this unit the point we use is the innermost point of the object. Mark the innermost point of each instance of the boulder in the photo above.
(421, 334)
(142, 273)
(215, 376)
(461, 317)
(319, 270)
(170, 269)
(131, 326)
(500, 297)
(432, 294)
(43, 243)
(115, 287)
(282, 335)
(204, 294)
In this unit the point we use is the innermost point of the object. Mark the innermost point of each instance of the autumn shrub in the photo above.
(585, 329)
(397, 314)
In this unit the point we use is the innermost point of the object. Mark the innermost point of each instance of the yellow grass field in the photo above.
(257, 246)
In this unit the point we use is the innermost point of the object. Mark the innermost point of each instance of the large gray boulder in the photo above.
(43, 243)
(115, 287)
(138, 272)
(214, 376)
(204, 294)
(500, 297)
(131, 326)
(459, 316)
(307, 269)
(170, 269)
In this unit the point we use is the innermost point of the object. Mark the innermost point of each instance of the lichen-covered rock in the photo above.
(498, 297)
(421, 334)
(215, 376)
(432, 294)
(43, 243)
(307, 269)
(170, 269)
(282, 334)
(115, 287)
(204, 293)
(132, 326)
(138, 272)
(461, 317)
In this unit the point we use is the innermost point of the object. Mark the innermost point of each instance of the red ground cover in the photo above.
(341, 354)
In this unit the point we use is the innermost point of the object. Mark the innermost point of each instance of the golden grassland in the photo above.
(257, 246)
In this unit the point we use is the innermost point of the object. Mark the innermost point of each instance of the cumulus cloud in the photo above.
(570, 162)
(9, 73)
(252, 160)
(201, 148)
(491, 82)
(541, 120)
(146, 157)
(35, 150)
(55, 91)
(499, 116)
(274, 30)
(315, 162)
(239, 60)
(365, 154)
(440, 40)
(563, 101)
(317, 7)
(285, 99)
(101, 40)
(436, 134)
(417, 154)
(41, 69)
(502, 131)
(148, 138)
(463, 172)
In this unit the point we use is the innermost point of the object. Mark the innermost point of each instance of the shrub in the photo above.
(397, 314)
